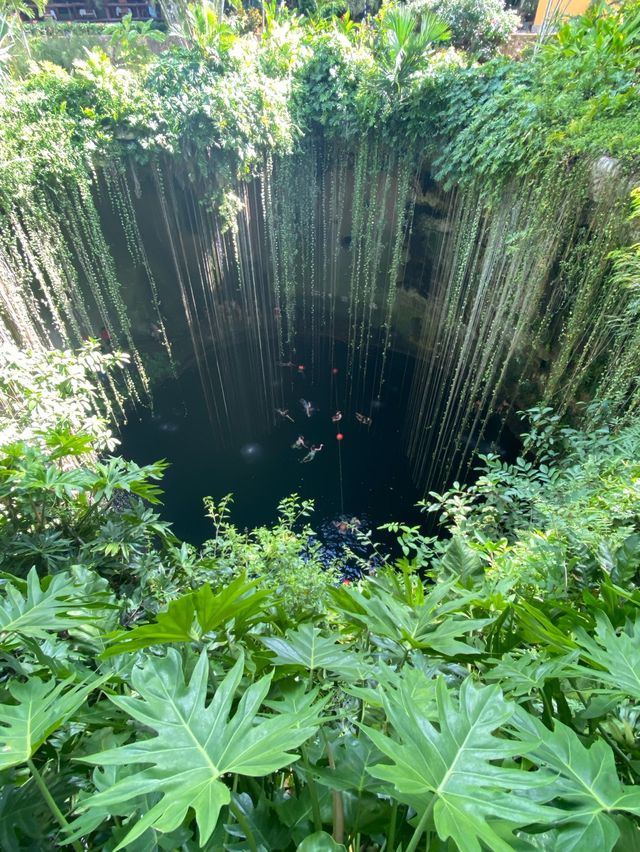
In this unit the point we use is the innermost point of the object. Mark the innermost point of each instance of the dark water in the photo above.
(365, 475)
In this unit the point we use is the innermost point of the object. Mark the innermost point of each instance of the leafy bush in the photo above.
(44, 392)
(560, 516)
(479, 26)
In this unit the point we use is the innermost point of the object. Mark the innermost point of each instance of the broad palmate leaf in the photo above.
(617, 655)
(190, 617)
(436, 624)
(445, 760)
(58, 604)
(586, 783)
(41, 707)
(307, 648)
(521, 673)
(196, 743)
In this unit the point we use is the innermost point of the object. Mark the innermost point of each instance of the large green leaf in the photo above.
(190, 617)
(320, 842)
(41, 707)
(33, 610)
(450, 765)
(616, 655)
(196, 744)
(436, 625)
(353, 757)
(520, 674)
(586, 782)
(308, 649)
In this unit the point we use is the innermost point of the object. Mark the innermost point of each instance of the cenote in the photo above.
(364, 474)
(382, 257)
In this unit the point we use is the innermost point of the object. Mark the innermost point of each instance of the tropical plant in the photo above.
(42, 391)
(130, 40)
(479, 26)
(404, 42)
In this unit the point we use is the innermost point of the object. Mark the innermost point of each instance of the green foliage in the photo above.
(283, 560)
(559, 521)
(220, 89)
(482, 688)
(44, 392)
(444, 697)
(192, 616)
(59, 603)
(403, 44)
(40, 708)
(478, 26)
(450, 769)
(197, 743)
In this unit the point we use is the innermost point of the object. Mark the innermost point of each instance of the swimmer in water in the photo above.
(310, 456)
(362, 418)
(285, 363)
(299, 443)
(308, 407)
(284, 413)
(337, 417)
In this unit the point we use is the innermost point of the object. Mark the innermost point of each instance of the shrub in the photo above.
(479, 26)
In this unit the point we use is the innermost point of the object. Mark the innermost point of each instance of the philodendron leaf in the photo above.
(520, 674)
(41, 707)
(190, 617)
(586, 784)
(196, 744)
(320, 842)
(616, 655)
(308, 649)
(59, 603)
(447, 759)
(437, 624)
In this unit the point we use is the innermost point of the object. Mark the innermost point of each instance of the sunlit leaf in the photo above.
(450, 760)
(190, 617)
(196, 744)
(40, 708)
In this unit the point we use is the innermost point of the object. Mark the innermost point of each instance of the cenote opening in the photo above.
(363, 475)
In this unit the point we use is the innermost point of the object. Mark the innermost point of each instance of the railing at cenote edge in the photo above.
(90, 11)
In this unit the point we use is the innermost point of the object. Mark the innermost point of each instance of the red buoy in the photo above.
(339, 436)
(301, 367)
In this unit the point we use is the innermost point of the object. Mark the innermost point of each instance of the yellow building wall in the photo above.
(566, 8)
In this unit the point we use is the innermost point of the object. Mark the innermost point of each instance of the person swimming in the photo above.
(284, 413)
(337, 417)
(362, 418)
(299, 443)
(285, 364)
(308, 407)
(310, 456)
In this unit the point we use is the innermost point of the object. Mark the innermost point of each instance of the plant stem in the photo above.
(233, 790)
(244, 825)
(417, 834)
(391, 835)
(55, 810)
(313, 792)
(336, 798)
